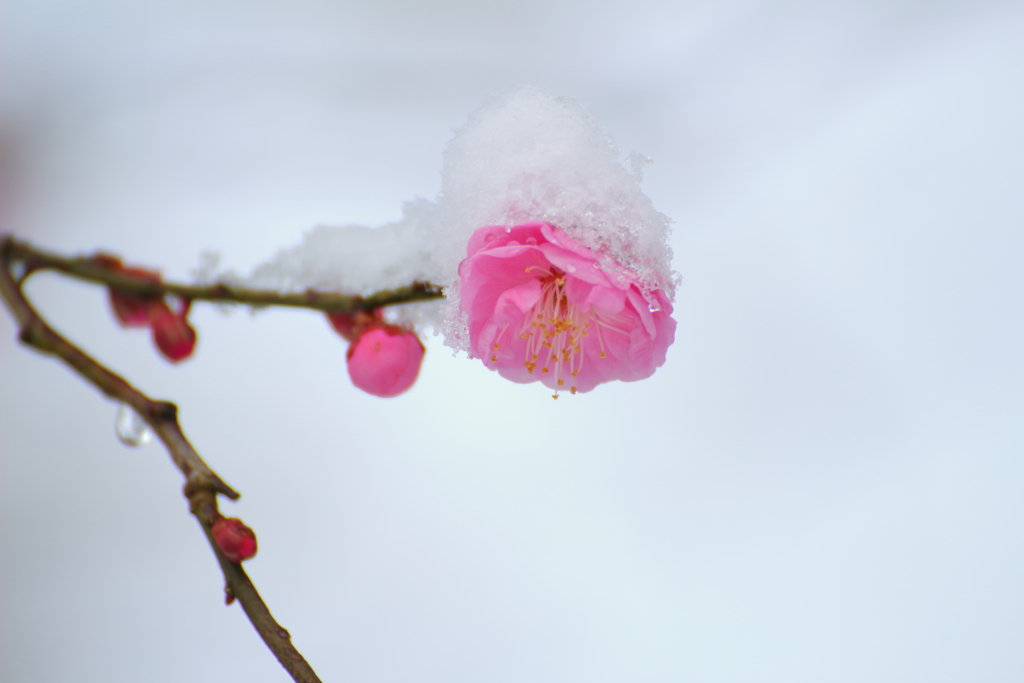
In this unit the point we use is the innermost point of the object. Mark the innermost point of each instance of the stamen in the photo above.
(558, 326)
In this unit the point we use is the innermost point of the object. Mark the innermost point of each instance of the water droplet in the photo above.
(18, 269)
(508, 228)
(653, 307)
(130, 428)
(570, 268)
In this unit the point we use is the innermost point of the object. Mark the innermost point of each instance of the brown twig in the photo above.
(202, 484)
(97, 269)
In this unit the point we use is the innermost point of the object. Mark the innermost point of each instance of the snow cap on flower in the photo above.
(532, 155)
(526, 155)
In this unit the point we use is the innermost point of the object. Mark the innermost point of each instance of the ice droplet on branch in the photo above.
(131, 430)
(18, 270)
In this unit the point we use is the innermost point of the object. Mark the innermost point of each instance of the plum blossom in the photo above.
(540, 307)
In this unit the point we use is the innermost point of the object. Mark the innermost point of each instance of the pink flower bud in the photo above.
(342, 323)
(172, 334)
(351, 325)
(130, 309)
(384, 360)
(234, 538)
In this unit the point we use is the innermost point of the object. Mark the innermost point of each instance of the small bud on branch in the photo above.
(234, 538)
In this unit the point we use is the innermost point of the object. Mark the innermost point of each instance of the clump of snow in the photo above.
(351, 259)
(526, 155)
(355, 259)
(529, 154)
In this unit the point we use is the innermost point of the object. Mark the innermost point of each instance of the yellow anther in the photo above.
(497, 346)
(561, 382)
(544, 370)
(494, 359)
(575, 372)
(554, 396)
(572, 390)
(603, 355)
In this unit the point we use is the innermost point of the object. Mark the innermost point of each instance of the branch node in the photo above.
(31, 331)
(199, 487)
(163, 411)
(202, 499)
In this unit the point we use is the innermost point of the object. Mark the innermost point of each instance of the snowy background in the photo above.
(823, 483)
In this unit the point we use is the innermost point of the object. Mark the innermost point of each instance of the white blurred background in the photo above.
(823, 483)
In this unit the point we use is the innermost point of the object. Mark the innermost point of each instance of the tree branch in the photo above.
(97, 269)
(202, 484)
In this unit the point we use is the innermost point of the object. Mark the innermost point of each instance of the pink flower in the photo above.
(384, 360)
(540, 307)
